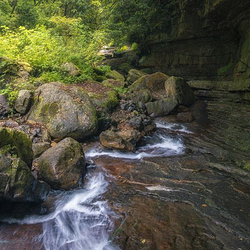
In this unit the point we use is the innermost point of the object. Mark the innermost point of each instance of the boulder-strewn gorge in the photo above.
(208, 43)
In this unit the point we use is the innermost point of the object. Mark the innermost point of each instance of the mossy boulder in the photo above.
(17, 143)
(178, 89)
(63, 165)
(153, 82)
(115, 75)
(66, 111)
(134, 74)
(17, 184)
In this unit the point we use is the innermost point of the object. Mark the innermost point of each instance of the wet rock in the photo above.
(39, 148)
(4, 107)
(113, 140)
(71, 69)
(142, 96)
(17, 143)
(185, 117)
(24, 101)
(134, 74)
(153, 82)
(65, 111)
(63, 165)
(17, 183)
(115, 75)
(161, 107)
(176, 88)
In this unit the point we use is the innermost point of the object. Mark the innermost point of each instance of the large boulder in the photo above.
(66, 111)
(153, 82)
(134, 74)
(176, 88)
(161, 107)
(18, 143)
(17, 184)
(63, 165)
(113, 140)
(24, 101)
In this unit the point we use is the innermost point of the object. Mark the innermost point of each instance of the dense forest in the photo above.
(46, 34)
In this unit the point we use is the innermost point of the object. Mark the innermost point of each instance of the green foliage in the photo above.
(134, 46)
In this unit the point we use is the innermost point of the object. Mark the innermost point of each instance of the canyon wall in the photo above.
(203, 39)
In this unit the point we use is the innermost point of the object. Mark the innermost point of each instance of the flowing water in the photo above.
(81, 219)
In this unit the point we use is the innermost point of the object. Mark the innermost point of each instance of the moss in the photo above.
(111, 102)
(18, 144)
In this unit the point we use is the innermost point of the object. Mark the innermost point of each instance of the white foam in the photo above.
(78, 222)
(157, 145)
(173, 127)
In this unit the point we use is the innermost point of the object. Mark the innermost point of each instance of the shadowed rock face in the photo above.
(204, 39)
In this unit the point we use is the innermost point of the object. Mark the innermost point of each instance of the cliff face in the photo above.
(203, 39)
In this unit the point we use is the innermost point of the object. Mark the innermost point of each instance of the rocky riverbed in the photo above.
(164, 164)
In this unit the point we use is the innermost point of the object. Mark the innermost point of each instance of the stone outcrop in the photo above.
(66, 111)
(63, 165)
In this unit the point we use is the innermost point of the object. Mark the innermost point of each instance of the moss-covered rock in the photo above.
(115, 75)
(17, 182)
(63, 165)
(65, 111)
(153, 82)
(134, 74)
(18, 143)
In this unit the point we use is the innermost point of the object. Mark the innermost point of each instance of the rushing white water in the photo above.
(172, 127)
(79, 221)
(153, 146)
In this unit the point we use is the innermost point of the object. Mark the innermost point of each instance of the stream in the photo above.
(138, 192)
